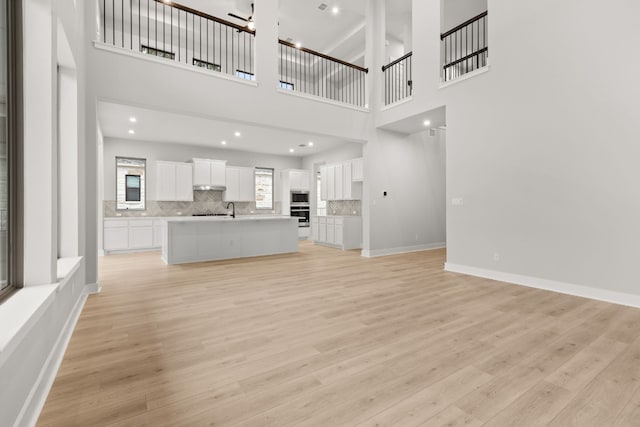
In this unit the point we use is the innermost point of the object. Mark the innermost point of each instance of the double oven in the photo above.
(300, 207)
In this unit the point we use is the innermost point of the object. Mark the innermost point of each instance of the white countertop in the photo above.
(196, 218)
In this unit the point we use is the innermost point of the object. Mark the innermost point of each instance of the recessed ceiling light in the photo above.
(133, 119)
(131, 131)
(291, 150)
(298, 45)
(335, 10)
(224, 143)
(310, 143)
(426, 123)
(237, 134)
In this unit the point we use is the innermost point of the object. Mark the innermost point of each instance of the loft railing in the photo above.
(179, 33)
(398, 81)
(464, 48)
(307, 71)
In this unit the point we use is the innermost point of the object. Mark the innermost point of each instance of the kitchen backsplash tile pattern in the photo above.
(203, 202)
(344, 207)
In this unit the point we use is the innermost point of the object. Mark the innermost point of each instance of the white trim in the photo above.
(321, 99)
(467, 76)
(402, 250)
(397, 103)
(93, 288)
(614, 297)
(38, 395)
(172, 63)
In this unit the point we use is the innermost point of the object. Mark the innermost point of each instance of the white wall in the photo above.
(411, 169)
(348, 151)
(545, 156)
(455, 12)
(182, 153)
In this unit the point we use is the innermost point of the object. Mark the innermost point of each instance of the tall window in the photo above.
(10, 245)
(130, 187)
(264, 188)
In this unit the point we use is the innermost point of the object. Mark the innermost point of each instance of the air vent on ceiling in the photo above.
(289, 40)
(322, 6)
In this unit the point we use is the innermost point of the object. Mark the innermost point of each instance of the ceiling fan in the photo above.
(250, 22)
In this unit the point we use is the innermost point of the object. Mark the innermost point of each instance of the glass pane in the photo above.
(264, 188)
(4, 177)
(130, 188)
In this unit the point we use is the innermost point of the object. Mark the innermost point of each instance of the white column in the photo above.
(266, 47)
(40, 204)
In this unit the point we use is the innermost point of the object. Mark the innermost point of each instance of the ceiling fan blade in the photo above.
(238, 17)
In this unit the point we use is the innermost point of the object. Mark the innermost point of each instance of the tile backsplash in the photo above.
(344, 207)
(203, 202)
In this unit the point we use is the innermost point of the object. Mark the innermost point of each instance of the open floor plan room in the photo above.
(329, 338)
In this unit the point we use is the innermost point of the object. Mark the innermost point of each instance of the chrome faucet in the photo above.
(233, 212)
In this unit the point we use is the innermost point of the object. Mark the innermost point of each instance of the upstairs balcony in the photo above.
(176, 33)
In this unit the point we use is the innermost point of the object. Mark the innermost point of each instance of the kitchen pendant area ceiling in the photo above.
(142, 124)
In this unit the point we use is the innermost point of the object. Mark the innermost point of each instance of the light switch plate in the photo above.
(457, 201)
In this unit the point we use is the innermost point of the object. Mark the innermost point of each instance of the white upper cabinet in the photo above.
(240, 184)
(299, 180)
(357, 169)
(337, 181)
(209, 173)
(174, 181)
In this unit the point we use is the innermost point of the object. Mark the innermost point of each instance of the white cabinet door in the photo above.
(184, 182)
(218, 173)
(299, 180)
(247, 185)
(201, 172)
(233, 184)
(331, 183)
(165, 181)
(339, 182)
(357, 169)
(322, 230)
(141, 236)
(314, 229)
(338, 237)
(346, 181)
(116, 239)
(331, 233)
(324, 183)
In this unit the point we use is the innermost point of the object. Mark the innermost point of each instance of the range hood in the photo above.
(210, 187)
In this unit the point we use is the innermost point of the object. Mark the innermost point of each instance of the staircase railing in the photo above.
(464, 48)
(179, 33)
(398, 80)
(307, 71)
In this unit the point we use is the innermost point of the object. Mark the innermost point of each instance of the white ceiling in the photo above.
(167, 127)
(415, 124)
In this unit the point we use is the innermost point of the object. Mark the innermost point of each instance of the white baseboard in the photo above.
(40, 391)
(614, 297)
(93, 288)
(402, 250)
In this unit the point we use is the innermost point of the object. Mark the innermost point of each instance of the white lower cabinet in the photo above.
(132, 234)
(344, 232)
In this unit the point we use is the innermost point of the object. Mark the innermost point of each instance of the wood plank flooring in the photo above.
(328, 338)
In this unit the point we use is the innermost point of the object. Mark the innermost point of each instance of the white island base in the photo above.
(197, 239)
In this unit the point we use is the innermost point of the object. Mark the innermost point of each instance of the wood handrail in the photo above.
(322, 55)
(204, 15)
(471, 55)
(464, 24)
(391, 64)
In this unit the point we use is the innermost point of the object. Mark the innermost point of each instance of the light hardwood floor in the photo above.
(328, 338)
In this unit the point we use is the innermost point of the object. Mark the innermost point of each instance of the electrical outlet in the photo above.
(178, 213)
(496, 256)
(457, 201)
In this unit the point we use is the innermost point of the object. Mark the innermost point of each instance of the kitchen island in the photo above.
(195, 239)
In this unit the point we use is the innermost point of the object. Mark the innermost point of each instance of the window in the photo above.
(10, 259)
(157, 52)
(321, 205)
(264, 188)
(286, 85)
(245, 75)
(130, 184)
(208, 65)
